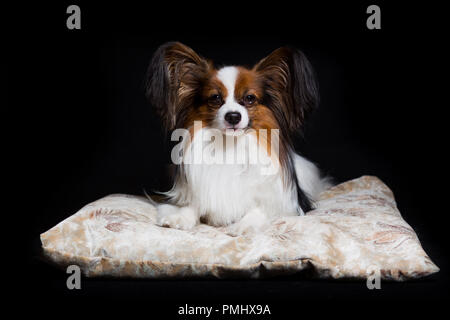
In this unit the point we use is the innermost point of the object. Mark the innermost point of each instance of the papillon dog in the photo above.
(225, 117)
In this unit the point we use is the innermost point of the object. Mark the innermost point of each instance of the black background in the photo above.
(78, 127)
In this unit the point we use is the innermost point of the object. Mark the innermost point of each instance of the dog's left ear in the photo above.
(174, 78)
(290, 85)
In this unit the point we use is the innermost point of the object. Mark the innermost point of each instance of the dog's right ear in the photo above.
(175, 76)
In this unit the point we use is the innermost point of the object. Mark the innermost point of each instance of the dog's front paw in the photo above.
(241, 229)
(253, 222)
(170, 216)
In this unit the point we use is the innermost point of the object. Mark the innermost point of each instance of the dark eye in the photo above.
(215, 99)
(249, 99)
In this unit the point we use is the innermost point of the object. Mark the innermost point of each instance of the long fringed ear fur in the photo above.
(174, 78)
(291, 92)
(290, 85)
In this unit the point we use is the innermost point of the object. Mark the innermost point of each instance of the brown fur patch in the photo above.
(206, 112)
(247, 83)
(214, 86)
(262, 118)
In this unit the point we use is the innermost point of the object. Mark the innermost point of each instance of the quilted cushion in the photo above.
(355, 231)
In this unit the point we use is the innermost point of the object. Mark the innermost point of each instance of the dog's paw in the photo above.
(239, 229)
(170, 216)
(253, 222)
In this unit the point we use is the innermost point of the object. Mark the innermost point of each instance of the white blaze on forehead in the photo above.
(228, 76)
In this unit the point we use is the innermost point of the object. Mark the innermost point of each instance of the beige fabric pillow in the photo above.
(356, 230)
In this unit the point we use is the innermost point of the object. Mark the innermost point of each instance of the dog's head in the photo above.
(277, 93)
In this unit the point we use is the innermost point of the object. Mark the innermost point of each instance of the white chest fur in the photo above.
(224, 191)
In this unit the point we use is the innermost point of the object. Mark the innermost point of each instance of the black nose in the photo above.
(233, 117)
